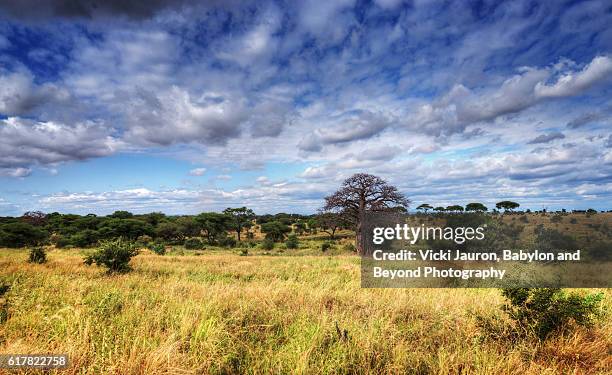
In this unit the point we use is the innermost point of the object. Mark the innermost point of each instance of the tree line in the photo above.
(214, 228)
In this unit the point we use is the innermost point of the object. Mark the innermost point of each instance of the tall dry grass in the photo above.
(223, 313)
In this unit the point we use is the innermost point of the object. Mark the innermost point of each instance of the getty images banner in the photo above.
(477, 250)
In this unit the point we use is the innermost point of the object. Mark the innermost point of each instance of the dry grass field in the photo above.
(214, 311)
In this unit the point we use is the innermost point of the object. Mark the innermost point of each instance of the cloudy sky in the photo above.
(186, 108)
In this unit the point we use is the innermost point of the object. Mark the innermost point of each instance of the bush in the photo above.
(20, 234)
(544, 311)
(193, 244)
(158, 248)
(244, 252)
(227, 242)
(267, 244)
(326, 246)
(292, 242)
(38, 255)
(115, 255)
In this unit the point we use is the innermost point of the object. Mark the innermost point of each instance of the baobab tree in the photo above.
(360, 193)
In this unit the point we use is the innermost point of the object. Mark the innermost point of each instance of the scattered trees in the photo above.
(361, 193)
(330, 222)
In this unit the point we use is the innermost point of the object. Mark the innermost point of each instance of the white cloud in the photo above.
(572, 83)
(197, 172)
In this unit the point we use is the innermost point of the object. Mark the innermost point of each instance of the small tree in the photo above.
(275, 230)
(424, 207)
(115, 255)
(476, 207)
(38, 255)
(543, 311)
(292, 242)
(240, 218)
(330, 222)
(507, 205)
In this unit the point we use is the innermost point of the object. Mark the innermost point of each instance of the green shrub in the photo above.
(292, 242)
(326, 246)
(193, 244)
(267, 244)
(38, 255)
(544, 311)
(115, 255)
(228, 242)
(158, 248)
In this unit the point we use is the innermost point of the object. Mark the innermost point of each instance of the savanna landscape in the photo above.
(286, 301)
(192, 187)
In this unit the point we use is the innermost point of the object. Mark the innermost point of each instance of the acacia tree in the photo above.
(425, 207)
(507, 205)
(478, 207)
(239, 218)
(361, 193)
(330, 222)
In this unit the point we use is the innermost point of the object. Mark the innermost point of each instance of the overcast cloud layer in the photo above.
(183, 106)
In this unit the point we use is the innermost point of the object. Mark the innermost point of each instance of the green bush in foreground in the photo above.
(325, 246)
(292, 242)
(115, 255)
(158, 248)
(544, 311)
(267, 244)
(38, 255)
(193, 244)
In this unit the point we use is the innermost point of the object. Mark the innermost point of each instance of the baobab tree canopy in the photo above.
(364, 192)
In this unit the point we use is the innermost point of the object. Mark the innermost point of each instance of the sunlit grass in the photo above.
(219, 312)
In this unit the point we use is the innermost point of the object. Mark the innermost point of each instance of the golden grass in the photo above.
(223, 313)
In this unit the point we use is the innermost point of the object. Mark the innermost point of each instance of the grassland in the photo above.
(291, 311)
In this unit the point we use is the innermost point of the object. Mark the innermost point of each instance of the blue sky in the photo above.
(185, 107)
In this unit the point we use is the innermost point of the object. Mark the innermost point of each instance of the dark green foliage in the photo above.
(239, 218)
(126, 228)
(158, 248)
(214, 225)
(292, 242)
(275, 230)
(115, 255)
(267, 244)
(545, 311)
(326, 246)
(476, 207)
(38, 255)
(227, 241)
(193, 244)
(507, 205)
(20, 234)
